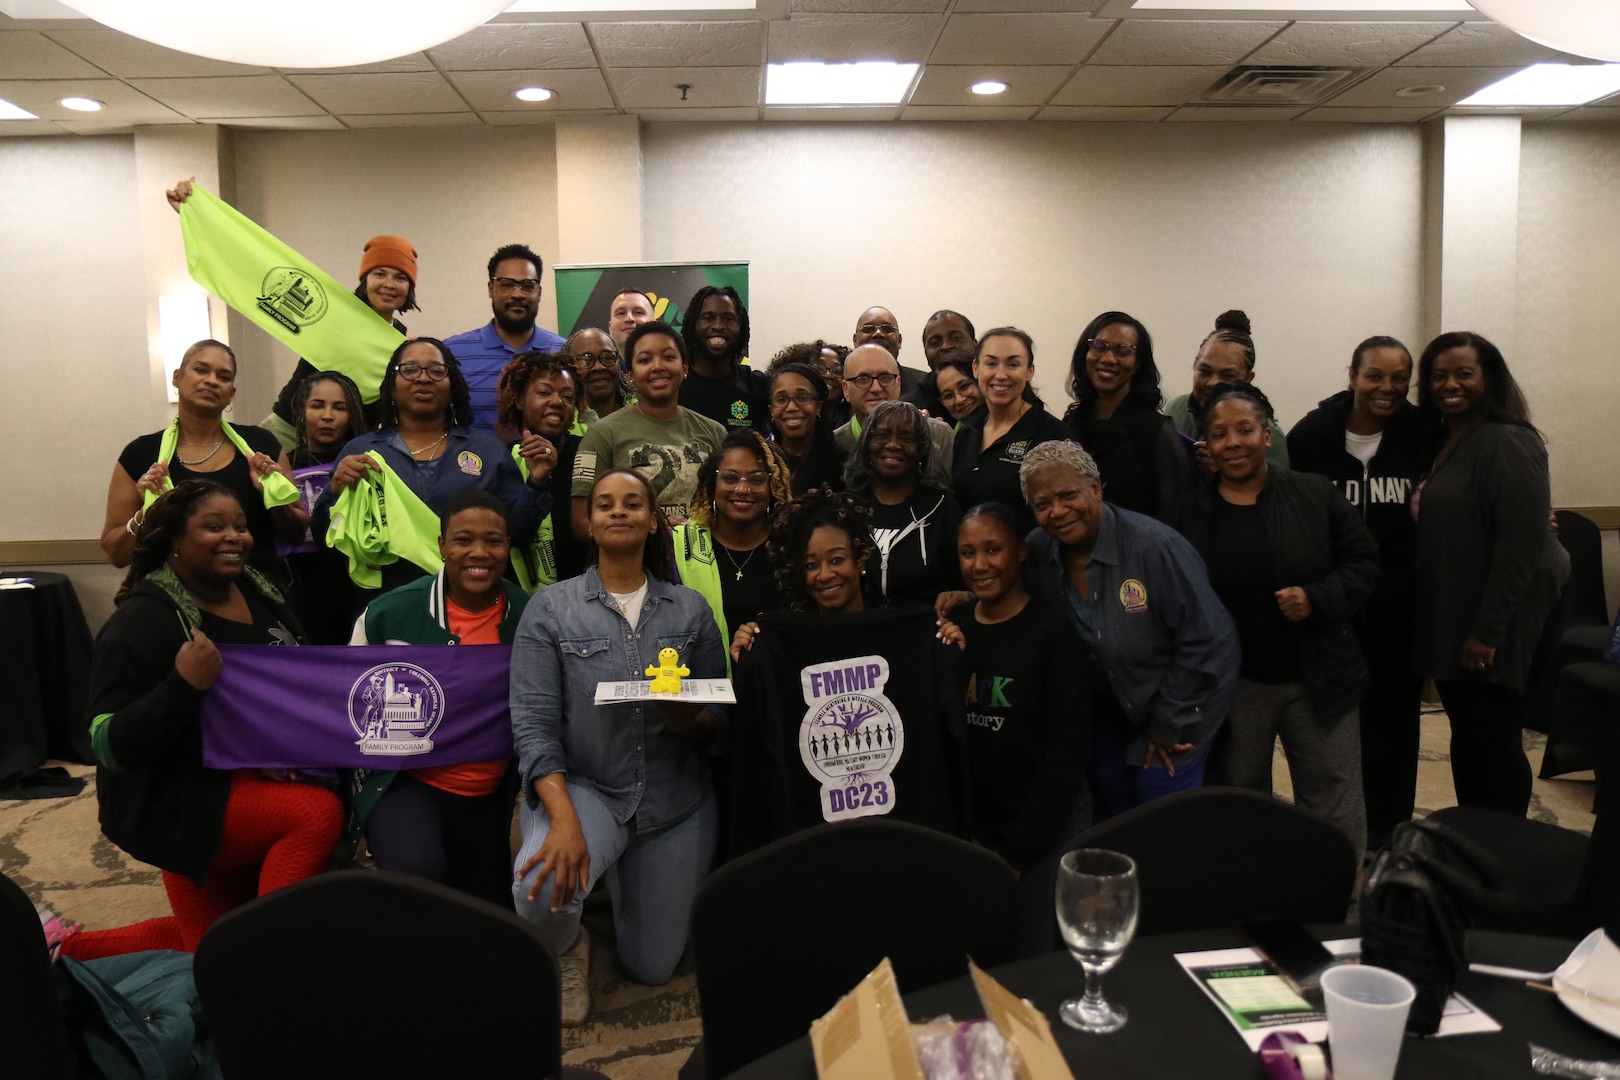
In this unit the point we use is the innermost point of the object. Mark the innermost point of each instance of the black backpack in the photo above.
(1416, 908)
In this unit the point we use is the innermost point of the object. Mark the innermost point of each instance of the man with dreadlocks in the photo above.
(721, 385)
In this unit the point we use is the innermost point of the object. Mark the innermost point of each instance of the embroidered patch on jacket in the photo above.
(1133, 596)
(470, 463)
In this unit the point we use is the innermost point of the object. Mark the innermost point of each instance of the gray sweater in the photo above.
(1488, 563)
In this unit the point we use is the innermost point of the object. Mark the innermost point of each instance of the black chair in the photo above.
(33, 1035)
(782, 933)
(1215, 856)
(371, 973)
(1580, 632)
(1582, 728)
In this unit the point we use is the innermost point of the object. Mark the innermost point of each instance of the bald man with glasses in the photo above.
(871, 377)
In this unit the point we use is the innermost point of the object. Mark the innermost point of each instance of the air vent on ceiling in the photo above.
(1265, 85)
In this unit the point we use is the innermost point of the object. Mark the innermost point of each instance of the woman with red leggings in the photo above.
(220, 838)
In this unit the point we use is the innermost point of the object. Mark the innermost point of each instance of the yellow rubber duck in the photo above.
(667, 675)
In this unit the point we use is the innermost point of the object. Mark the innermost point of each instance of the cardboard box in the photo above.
(867, 1035)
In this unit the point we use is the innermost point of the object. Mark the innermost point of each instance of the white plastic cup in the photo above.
(1366, 1011)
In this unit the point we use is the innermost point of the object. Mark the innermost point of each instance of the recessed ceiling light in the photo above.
(8, 111)
(1551, 84)
(533, 93)
(1421, 90)
(870, 82)
(989, 86)
(80, 104)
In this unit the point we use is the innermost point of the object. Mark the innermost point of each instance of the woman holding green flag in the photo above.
(199, 444)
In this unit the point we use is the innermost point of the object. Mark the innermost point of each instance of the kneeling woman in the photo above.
(1028, 718)
(447, 823)
(1292, 562)
(220, 838)
(618, 790)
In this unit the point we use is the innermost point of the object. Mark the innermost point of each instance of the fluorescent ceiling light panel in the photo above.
(870, 82)
(1551, 84)
(1303, 5)
(8, 111)
(684, 7)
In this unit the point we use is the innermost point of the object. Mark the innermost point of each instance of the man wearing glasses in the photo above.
(871, 377)
(514, 295)
(878, 326)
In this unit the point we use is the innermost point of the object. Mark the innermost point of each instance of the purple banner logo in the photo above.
(394, 708)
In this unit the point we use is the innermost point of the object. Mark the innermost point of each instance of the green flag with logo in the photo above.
(284, 294)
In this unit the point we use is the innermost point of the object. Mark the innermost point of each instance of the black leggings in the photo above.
(1488, 766)
(458, 840)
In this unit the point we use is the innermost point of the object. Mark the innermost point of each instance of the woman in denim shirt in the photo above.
(618, 790)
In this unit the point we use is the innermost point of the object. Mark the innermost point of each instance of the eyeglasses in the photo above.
(1123, 351)
(506, 284)
(833, 371)
(601, 359)
(434, 372)
(758, 481)
(803, 399)
(885, 378)
(879, 328)
(883, 436)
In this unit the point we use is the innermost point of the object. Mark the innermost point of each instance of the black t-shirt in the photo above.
(265, 629)
(991, 474)
(1028, 724)
(738, 400)
(570, 553)
(1243, 572)
(919, 537)
(139, 455)
(747, 584)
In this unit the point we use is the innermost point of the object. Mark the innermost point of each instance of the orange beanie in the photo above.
(395, 251)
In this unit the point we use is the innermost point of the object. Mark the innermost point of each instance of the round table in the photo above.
(1176, 1031)
(44, 673)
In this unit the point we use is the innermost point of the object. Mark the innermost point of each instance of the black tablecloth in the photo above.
(44, 674)
(1175, 1030)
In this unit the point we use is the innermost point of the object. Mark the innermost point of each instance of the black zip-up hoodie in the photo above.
(1381, 491)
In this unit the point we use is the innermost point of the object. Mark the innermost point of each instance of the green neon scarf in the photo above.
(284, 294)
(278, 490)
(380, 520)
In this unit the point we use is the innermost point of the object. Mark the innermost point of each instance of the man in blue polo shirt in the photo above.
(514, 294)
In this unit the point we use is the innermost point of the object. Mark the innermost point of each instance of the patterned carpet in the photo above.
(54, 849)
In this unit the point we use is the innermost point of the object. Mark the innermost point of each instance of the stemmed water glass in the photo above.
(1097, 899)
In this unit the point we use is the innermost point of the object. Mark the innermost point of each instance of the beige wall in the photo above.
(1568, 307)
(1319, 231)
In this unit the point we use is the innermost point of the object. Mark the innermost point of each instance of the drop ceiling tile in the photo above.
(1091, 6)
(279, 123)
(1093, 85)
(524, 119)
(1479, 44)
(1380, 87)
(510, 46)
(409, 62)
(125, 104)
(945, 84)
(634, 88)
(491, 91)
(368, 95)
(244, 95)
(1603, 114)
(1370, 116)
(832, 112)
(967, 112)
(679, 44)
(1261, 114)
(842, 39)
(413, 120)
(1089, 113)
(1348, 44)
(686, 115)
(131, 58)
(25, 54)
(98, 127)
(1028, 38)
(30, 127)
(1183, 41)
(850, 6)
(1526, 113)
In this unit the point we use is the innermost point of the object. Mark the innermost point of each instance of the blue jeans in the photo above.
(653, 879)
(1118, 785)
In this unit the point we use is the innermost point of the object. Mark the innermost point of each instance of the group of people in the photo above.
(937, 600)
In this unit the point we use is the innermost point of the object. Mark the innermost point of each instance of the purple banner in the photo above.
(311, 481)
(357, 707)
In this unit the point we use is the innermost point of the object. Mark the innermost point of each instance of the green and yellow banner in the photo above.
(585, 293)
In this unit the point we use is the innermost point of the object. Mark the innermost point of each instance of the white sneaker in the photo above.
(575, 963)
